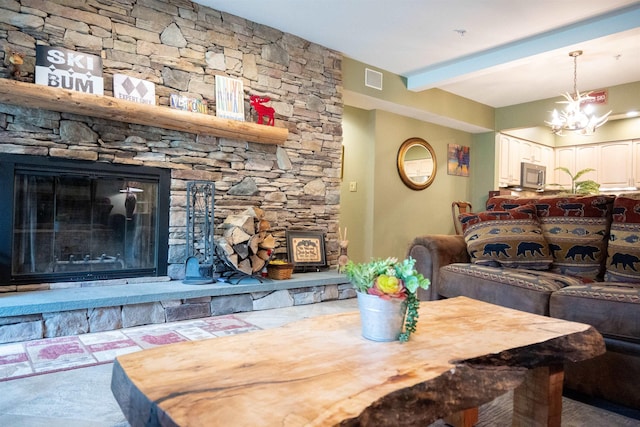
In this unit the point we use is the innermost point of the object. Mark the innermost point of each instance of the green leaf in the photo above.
(587, 187)
(581, 187)
(562, 168)
(411, 319)
(582, 172)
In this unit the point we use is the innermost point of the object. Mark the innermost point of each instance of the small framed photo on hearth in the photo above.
(306, 249)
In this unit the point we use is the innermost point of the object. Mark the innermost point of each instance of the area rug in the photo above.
(24, 359)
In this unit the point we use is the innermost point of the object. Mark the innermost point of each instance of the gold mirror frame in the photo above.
(407, 174)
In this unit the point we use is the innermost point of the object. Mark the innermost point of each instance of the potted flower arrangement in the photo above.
(387, 298)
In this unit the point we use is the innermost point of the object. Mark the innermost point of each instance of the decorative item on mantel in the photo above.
(387, 299)
(262, 110)
(133, 89)
(67, 69)
(184, 103)
(229, 98)
(16, 59)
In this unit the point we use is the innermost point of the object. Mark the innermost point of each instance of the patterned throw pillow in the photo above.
(576, 228)
(504, 203)
(511, 238)
(623, 262)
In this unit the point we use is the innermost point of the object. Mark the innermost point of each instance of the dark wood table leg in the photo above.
(537, 402)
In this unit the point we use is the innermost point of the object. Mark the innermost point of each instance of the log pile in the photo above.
(246, 240)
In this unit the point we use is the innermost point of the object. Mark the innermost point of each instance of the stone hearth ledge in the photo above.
(67, 299)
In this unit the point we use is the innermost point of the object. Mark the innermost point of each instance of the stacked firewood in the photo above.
(246, 240)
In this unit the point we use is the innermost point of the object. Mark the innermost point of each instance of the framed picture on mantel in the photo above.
(306, 249)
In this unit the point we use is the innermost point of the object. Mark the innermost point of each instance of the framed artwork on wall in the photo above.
(306, 249)
(458, 160)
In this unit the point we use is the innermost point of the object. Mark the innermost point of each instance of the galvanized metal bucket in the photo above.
(382, 320)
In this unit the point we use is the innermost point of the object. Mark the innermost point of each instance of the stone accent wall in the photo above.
(181, 46)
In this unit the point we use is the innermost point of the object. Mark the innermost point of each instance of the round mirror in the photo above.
(416, 163)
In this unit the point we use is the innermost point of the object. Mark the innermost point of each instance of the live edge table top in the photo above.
(320, 371)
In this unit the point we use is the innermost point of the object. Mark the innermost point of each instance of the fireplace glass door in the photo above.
(67, 223)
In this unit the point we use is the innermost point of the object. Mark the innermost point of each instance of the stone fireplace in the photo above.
(180, 46)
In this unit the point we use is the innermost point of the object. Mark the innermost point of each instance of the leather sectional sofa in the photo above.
(570, 257)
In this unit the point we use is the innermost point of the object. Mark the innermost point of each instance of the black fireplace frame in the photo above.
(10, 163)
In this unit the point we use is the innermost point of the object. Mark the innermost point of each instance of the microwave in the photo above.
(533, 176)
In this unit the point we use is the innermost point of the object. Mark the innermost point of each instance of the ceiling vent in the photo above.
(373, 79)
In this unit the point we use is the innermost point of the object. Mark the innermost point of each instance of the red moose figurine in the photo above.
(262, 110)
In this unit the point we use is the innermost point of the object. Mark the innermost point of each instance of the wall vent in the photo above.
(373, 79)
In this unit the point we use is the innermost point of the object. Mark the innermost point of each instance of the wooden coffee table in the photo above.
(321, 372)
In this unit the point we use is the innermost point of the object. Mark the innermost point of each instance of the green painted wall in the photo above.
(614, 130)
(433, 101)
(356, 208)
(483, 165)
(539, 134)
(385, 214)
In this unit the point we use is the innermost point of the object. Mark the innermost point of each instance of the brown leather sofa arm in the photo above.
(432, 252)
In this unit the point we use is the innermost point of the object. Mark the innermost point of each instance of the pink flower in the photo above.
(387, 287)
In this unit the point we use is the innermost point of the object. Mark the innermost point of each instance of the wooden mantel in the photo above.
(106, 107)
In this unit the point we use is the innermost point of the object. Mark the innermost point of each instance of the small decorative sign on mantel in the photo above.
(133, 89)
(67, 69)
(229, 98)
(184, 103)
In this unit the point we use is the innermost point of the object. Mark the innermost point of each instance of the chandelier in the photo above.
(575, 117)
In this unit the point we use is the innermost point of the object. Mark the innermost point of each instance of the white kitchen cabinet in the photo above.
(513, 151)
(636, 163)
(565, 157)
(502, 150)
(509, 161)
(537, 154)
(588, 157)
(547, 159)
(526, 151)
(615, 164)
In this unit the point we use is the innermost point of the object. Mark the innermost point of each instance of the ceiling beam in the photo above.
(600, 26)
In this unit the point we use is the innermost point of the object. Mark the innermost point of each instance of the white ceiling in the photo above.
(497, 52)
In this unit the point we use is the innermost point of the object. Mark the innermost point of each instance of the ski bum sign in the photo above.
(66, 69)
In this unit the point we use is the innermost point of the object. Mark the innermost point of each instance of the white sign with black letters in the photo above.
(67, 69)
